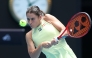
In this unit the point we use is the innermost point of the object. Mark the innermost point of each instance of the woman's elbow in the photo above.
(30, 54)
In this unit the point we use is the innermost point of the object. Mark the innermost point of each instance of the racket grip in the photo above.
(64, 36)
(56, 39)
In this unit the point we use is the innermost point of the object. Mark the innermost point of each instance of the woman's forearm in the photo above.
(36, 53)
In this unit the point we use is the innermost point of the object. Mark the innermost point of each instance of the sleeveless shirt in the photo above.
(46, 32)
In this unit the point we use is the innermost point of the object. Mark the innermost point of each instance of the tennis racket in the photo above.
(78, 26)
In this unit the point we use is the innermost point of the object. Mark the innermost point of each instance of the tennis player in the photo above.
(41, 38)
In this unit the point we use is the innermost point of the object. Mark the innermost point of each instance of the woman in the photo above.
(41, 38)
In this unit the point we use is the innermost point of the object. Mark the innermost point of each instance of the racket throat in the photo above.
(61, 34)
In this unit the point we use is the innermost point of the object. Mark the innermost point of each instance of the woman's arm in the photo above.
(56, 23)
(34, 53)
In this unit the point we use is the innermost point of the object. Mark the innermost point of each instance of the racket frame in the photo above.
(66, 29)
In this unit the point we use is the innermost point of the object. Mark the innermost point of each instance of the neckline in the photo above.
(40, 26)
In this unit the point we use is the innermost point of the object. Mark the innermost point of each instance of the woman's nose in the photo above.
(30, 21)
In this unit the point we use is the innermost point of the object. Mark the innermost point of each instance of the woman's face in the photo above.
(33, 20)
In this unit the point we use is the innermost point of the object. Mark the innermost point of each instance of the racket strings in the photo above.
(79, 25)
(82, 32)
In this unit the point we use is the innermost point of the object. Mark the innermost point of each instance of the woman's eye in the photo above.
(28, 19)
(32, 18)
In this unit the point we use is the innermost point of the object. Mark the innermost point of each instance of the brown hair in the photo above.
(36, 10)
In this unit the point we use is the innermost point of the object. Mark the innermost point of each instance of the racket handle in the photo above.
(64, 36)
(56, 39)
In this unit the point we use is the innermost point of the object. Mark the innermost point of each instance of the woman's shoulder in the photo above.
(49, 17)
(28, 33)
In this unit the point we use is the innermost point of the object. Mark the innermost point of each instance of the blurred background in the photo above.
(12, 36)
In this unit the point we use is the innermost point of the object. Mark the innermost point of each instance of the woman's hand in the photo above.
(46, 44)
(54, 42)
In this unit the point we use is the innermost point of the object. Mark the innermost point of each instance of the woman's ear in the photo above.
(40, 17)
